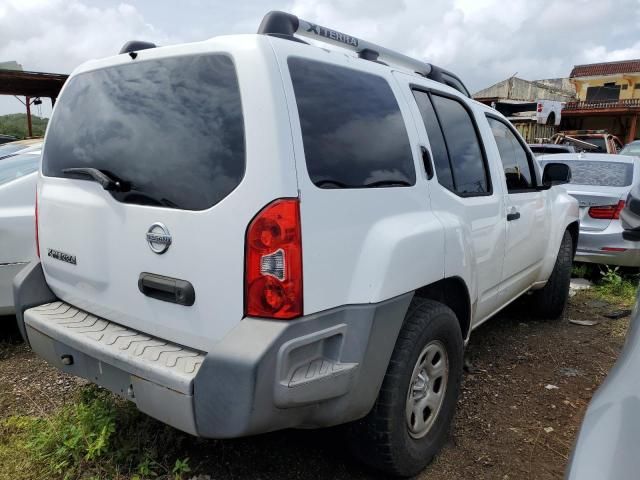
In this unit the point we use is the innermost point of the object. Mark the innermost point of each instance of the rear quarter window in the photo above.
(353, 133)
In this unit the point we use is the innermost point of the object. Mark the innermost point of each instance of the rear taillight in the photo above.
(273, 263)
(607, 212)
(539, 109)
(37, 234)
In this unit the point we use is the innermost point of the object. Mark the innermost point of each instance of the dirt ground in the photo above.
(523, 398)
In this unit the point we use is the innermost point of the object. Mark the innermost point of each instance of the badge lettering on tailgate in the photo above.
(63, 257)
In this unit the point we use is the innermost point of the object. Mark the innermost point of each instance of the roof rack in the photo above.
(285, 25)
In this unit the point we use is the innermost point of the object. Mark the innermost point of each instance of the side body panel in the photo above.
(362, 245)
(17, 233)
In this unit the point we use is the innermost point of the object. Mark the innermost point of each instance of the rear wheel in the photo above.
(410, 420)
(551, 300)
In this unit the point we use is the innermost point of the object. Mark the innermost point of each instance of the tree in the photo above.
(16, 124)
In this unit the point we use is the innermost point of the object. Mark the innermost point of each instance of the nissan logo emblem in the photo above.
(158, 238)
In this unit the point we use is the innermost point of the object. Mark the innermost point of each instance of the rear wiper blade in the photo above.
(104, 180)
(141, 198)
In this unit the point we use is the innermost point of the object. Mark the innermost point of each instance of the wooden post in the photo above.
(28, 104)
(632, 129)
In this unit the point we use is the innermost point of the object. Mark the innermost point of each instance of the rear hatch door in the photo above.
(170, 132)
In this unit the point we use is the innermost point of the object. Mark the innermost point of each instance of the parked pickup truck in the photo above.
(252, 233)
(593, 141)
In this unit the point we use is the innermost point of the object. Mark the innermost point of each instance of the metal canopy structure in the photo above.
(33, 86)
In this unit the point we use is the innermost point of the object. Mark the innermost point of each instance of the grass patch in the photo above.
(98, 436)
(615, 288)
(579, 270)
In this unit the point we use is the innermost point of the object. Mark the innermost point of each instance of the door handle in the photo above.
(167, 289)
(426, 160)
(513, 216)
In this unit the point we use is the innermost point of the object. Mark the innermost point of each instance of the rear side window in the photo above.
(604, 174)
(455, 145)
(436, 140)
(515, 160)
(465, 153)
(17, 166)
(171, 128)
(353, 133)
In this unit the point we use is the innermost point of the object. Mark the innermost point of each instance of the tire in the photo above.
(550, 301)
(384, 439)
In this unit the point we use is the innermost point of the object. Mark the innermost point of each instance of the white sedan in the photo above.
(18, 177)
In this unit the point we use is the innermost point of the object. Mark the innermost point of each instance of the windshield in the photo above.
(17, 166)
(605, 174)
(631, 149)
(172, 129)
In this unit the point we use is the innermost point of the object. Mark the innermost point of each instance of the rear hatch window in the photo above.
(537, 150)
(605, 174)
(171, 130)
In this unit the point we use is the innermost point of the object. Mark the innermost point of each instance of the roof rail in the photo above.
(285, 25)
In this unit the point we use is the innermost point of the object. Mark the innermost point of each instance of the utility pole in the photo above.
(28, 104)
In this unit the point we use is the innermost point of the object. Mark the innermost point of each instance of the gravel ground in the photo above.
(512, 422)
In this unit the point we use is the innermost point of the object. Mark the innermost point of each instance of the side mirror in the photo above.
(556, 174)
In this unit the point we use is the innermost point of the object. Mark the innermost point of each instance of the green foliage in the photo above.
(97, 436)
(16, 124)
(180, 467)
(616, 287)
(579, 270)
(79, 433)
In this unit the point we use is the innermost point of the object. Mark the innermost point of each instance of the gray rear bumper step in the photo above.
(159, 361)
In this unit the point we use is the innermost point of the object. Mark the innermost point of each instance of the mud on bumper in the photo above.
(320, 370)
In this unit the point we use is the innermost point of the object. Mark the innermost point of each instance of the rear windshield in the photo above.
(541, 150)
(605, 174)
(171, 130)
(17, 166)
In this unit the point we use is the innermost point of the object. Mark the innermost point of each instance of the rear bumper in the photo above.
(320, 370)
(591, 244)
(156, 375)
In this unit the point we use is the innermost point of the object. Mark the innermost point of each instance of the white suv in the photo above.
(251, 233)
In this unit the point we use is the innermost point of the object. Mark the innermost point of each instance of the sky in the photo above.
(483, 41)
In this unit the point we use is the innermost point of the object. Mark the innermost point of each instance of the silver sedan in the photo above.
(18, 177)
(601, 182)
